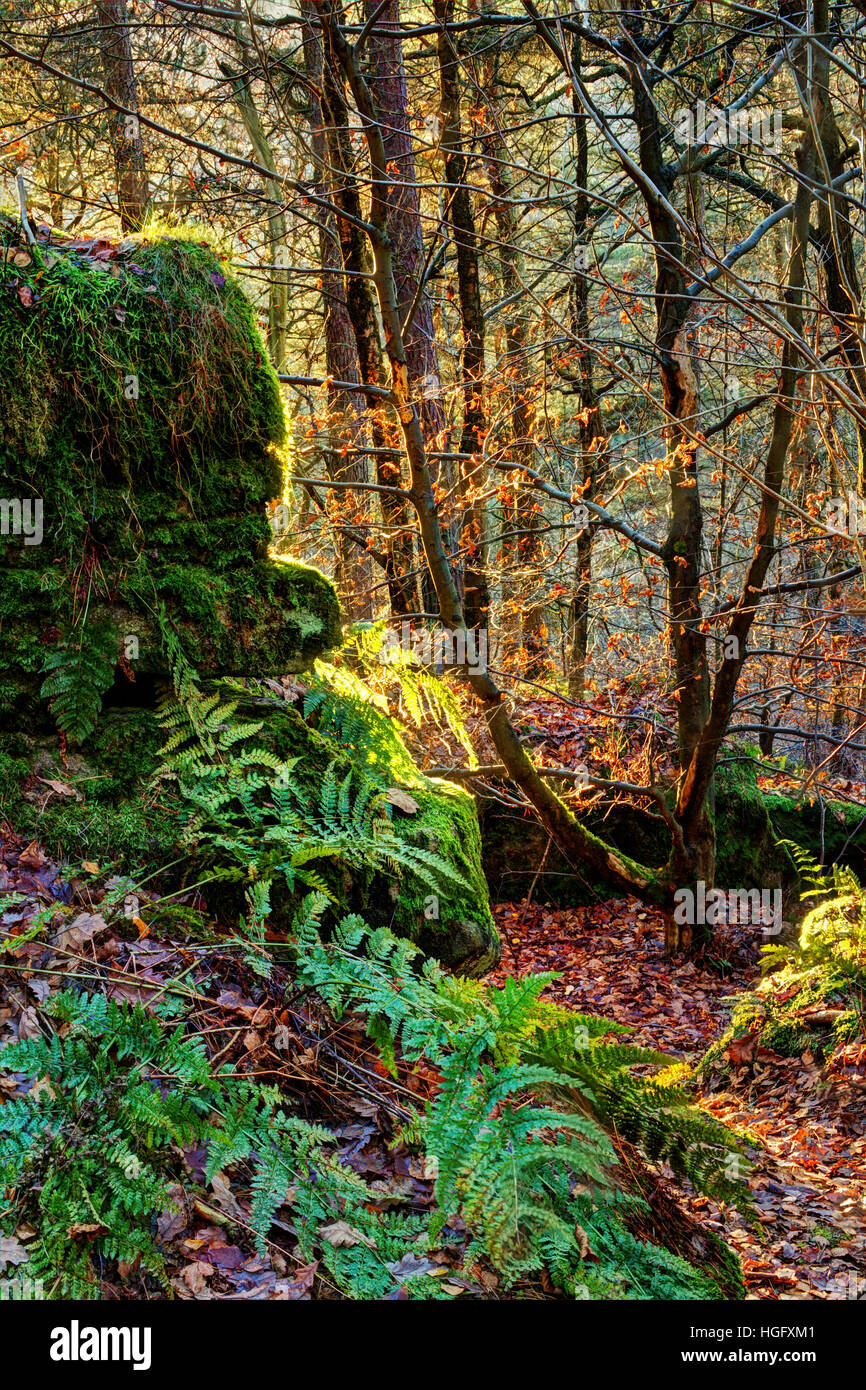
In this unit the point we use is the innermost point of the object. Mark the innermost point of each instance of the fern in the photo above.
(251, 815)
(77, 674)
(498, 1052)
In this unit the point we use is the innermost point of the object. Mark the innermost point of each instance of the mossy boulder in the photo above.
(142, 447)
(750, 823)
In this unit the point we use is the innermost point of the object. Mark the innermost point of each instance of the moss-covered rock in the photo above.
(142, 445)
(749, 822)
(104, 806)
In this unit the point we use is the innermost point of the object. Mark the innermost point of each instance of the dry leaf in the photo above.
(224, 1197)
(28, 1025)
(341, 1233)
(196, 1274)
(86, 1228)
(61, 788)
(84, 928)
(11, 1252)
(298, 1287)
(401, 799)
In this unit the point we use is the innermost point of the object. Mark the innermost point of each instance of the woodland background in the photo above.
(565, 308)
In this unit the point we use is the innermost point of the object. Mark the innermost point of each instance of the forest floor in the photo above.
(805, 1120)
(806, 1123)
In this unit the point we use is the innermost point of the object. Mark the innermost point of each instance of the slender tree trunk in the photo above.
(361, 308)
(278, 287)
(343, 462)
(387, 79)
(811, 74)
(130, 165)
(528, 515)
(460, 221)
(593, 438)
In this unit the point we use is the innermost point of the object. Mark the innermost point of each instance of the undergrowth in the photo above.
(519, 1133)
(813, 994)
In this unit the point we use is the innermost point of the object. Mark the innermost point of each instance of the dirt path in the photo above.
(809, 1176)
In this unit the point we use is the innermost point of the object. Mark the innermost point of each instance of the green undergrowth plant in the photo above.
(518, 1171)
(375, 674)
(259, 824)
(813, 992)
(88, 1155)
(519, 1135)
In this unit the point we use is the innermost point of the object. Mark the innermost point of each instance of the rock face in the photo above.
(142, 450)
(141, 447)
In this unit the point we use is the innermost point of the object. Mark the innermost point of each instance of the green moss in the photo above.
(160, 499)
(112, 817)
(747, 849)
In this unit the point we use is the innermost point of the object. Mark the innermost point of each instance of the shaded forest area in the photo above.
(433, 629)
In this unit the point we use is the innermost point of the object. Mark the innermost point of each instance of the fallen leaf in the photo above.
(341, 1233)
(402, 800)
(224, 1197)
(299, 1287)
(28, 1025)
(61, 788)
(195, 1275)
(84, 928)
(12, 1252)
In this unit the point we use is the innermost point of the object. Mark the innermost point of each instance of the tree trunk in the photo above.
(361, 308)
(346, 432)
(130, 166)
(387, 81)
(459, 217)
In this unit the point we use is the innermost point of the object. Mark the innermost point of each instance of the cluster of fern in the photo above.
(259, 823)
(530, 1101)
(521, 1128)
(813, 994)
(519, 1135)
(87, 1154)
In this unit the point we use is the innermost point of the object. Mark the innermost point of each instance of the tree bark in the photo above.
(459, 218)
(130, 165)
